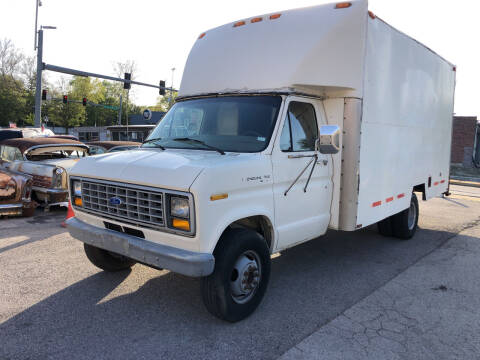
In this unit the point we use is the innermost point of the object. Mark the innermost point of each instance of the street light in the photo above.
(38, 87)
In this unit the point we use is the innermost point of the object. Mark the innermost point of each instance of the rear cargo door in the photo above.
(302, 195)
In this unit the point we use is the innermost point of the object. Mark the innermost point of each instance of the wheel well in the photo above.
(260, 224)
(420, 188)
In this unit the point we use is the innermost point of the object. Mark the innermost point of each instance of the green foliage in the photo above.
(17, 94)
(165, 102)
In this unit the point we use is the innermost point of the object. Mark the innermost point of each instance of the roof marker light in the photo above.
(343, 5)
(275, 16)
(371, 14)
(239, 23)
(255, 20)
(201, 35)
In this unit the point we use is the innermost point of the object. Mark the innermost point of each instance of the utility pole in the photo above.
(120, 111)
(38, 87)
(171, 93)
(126, 112)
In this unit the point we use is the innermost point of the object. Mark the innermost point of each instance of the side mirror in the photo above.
(329, 142)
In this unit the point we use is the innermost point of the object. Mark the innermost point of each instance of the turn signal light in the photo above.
(181, 224)
(78, 201)
(343, 5)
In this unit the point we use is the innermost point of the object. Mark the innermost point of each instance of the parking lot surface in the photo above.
(54, 304)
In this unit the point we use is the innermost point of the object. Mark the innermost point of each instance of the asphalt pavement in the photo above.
(54, 304)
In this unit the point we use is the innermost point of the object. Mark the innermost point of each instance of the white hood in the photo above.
(67, 164)
(172, 169)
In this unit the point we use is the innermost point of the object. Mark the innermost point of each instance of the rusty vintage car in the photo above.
(15, 193)
(47, 160)
(102, 147)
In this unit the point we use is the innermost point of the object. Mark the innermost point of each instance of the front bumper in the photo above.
(51, 195)
(161, 256)
(11, 209)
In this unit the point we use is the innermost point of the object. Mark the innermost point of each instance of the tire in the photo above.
(241, 254)
(106, 260)
(404, 224)
(385, 227)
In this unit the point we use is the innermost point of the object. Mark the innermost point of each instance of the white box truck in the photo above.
(286, 124)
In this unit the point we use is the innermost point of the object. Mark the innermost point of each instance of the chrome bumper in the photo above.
(161, 256)
(11, 209)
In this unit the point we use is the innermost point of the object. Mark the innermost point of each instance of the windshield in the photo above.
(231, 123)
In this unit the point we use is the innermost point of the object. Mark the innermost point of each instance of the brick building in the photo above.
(465, 139)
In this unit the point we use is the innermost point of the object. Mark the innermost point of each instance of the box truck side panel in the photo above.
(407, 121)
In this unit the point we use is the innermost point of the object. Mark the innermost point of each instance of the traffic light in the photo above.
(127, 85)
(44, 94)
(84, 101)
(65, 99)
(161, 91)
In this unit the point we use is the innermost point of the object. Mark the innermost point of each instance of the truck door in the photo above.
(302, 200)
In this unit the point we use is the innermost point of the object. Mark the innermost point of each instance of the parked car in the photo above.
(47, 160)
(102, 147)
(24, 133)
(15, 193)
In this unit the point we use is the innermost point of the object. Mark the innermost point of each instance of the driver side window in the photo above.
(300, 129)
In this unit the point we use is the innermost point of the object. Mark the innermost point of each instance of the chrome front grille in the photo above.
(143, 207)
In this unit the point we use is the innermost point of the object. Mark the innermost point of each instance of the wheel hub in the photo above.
(246, 276)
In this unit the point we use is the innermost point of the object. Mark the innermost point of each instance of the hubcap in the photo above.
(246, 276)
(412, 214)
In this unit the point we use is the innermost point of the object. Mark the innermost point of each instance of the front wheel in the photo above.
(240, 278)
(107, 260)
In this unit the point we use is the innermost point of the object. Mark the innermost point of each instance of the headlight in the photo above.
(27, 192)
(57, 177)
(179, 207)
(76, 196)
(77, 188)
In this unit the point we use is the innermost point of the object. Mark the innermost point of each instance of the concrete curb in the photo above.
(465, 183)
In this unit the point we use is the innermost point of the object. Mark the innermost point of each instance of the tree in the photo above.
(12, 100)
(165, 102)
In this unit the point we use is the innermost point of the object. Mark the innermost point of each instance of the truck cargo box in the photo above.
(391, 95)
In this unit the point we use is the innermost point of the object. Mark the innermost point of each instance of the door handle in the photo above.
(299, 156)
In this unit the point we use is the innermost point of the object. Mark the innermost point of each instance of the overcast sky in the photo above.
(158, 35)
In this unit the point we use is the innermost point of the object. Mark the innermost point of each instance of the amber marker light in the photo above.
(239, 23)
(201, 35)
(343, 5)
(218, 197)
(255, 20)
(78, 201)
(275, 16)
(181, 224)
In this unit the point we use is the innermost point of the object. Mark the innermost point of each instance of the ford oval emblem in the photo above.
(115, 201)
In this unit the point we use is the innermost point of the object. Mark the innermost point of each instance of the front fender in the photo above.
(248, 186)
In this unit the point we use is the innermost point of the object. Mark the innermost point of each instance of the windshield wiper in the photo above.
(186, 139)
(152, 140)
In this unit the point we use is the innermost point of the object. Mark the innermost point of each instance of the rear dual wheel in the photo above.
(402, 225)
